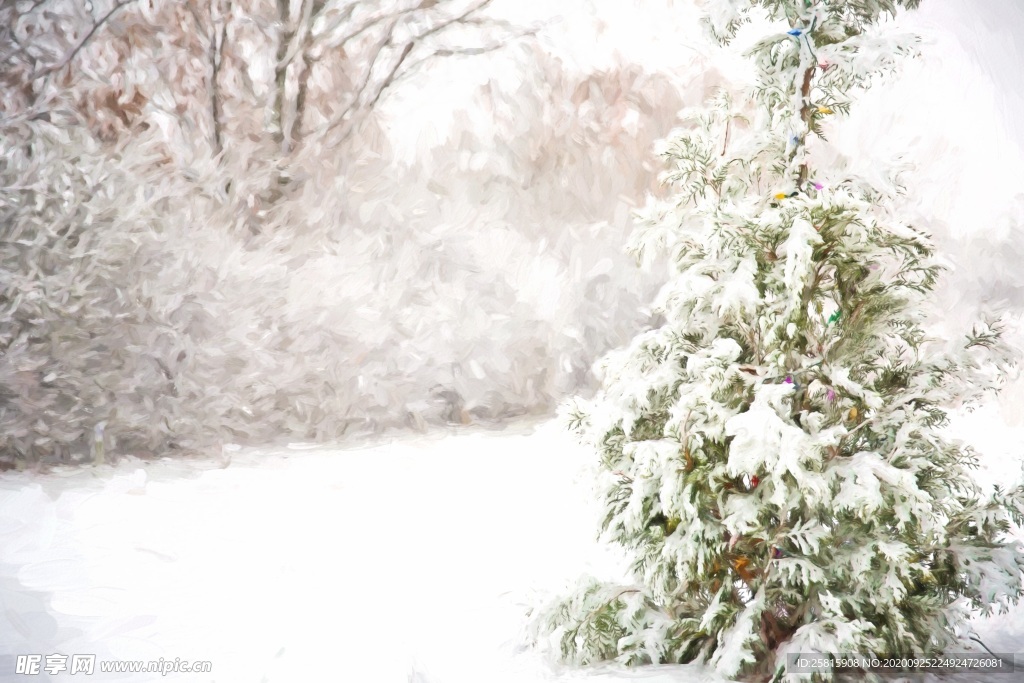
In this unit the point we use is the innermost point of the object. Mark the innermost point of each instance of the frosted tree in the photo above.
(771, 457)
(209, 236)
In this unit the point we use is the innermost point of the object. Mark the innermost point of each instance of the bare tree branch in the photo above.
(377, 51)
(9, 33)
(281, 74)
(363, 28)
(302, 95)
(298, 43)
(390, 77)
(339, 21)
(462, 51)
(299, 35)
(217, 38)
(348, 117)
(464, 18)
(83, 42)
(214, 52)
(458, 18)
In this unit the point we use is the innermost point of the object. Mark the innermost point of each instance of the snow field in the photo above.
(408, 560)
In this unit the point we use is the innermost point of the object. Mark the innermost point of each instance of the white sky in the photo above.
(963, 96)
(953, 114)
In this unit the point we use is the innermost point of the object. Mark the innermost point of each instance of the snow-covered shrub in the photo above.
(492, 256)
(172, 282)
(86, 341)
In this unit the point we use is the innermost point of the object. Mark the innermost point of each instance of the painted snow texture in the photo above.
(406, 560)
(436, 277)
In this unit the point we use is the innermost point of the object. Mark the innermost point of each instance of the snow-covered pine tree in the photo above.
(772, 457)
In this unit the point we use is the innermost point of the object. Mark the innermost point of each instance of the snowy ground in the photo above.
(408, 560)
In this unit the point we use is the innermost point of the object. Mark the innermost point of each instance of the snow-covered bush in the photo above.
(772, 457)
(88, 340)
(511, 281)
(178, 271)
